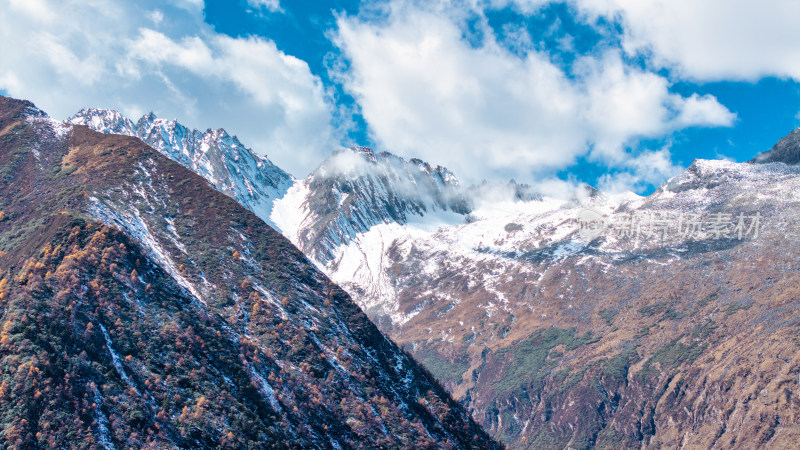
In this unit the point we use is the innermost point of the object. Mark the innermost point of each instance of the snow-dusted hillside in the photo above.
(360, 213)
(464, 291)
(233, 169)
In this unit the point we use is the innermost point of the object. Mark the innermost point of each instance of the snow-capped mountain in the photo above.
(441, 245)
(106, 121)
(233, 169)
(595, 320)
(478, 294)
(346, 213)
(356, 189)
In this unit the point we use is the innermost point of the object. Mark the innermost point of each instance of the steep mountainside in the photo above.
(216, 156)
(142, 308)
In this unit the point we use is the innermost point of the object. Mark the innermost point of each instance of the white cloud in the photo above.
(105, 54)
(66, 63)
(703, 110)
(9, 82)
(709, 39)
(646, 169)
(156, 17)
(190, 53)
(426, 92)
(191, 5)
(269, 5)
(37, 10)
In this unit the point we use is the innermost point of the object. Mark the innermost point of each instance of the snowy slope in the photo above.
(361, 213)
(357, 189)
(493, 234)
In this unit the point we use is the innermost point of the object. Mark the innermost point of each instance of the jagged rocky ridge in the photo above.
(254, 181)
(630, 338)
(142, 308)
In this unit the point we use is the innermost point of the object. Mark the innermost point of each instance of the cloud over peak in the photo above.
(425, 90)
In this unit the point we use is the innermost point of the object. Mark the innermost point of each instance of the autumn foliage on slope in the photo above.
(141, 308)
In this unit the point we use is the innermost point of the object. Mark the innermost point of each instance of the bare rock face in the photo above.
(787, 151)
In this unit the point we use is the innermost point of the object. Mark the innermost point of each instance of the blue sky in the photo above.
(620, 94)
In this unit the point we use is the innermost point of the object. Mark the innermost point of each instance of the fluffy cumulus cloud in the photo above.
(706, 39)
(494, 105)
(478, 108)
(160, 56)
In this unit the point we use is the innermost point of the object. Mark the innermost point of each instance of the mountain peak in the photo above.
(355, 189)
(32, 111)
(107, 121)
(383, 164)
(366, 151)
(787, 151)
(149, 117)
(14, 107)
(222, 160)
(383, 158)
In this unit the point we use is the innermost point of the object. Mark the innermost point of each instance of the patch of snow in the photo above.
(266, 389)
(115, 358)
(290, 212)
(138, 229)
(101, 419)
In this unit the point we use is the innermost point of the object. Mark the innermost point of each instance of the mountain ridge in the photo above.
(253, 180)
